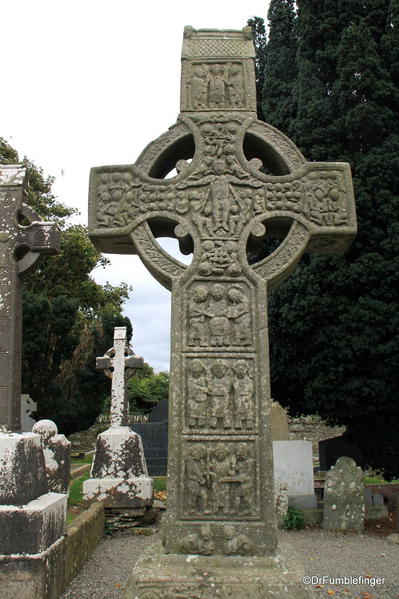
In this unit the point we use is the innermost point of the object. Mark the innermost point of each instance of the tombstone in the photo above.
(119, 476)
(28, 407)
(336, 447)
(32, 521)
(344, 497)
(57, 455)
(279, 422)
(220, 488)
(293, 467)
(154, 436)
(21, 248)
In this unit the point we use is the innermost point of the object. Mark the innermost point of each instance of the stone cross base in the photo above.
(32, 521)
(119, 476)
(38, 576)
(160, 576)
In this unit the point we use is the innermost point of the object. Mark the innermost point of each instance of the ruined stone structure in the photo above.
(238, 180)
(21, 247)
(119, 476)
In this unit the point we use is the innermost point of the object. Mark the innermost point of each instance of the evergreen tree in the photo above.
(333, 322)
(280, 68)
(259, 38)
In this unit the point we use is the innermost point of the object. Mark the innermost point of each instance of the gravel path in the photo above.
(322, 554)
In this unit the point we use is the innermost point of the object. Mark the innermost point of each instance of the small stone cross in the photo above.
(21, 248)
(119, 364)
(237, 179)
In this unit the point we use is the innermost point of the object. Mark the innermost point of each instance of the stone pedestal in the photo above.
(119, 476)
(32, 521)
(161, 576)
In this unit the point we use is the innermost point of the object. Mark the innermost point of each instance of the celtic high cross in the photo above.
(21, 248)
(236, 180)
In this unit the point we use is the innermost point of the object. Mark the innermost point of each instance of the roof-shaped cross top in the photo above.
(119, 364)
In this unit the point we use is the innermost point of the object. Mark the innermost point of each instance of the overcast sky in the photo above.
(87, 83)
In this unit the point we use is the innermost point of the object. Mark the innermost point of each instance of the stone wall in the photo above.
(83, 536)
(312, 428)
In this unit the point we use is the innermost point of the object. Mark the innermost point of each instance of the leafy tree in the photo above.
(68, 318)
(145, 391)
(333, 323)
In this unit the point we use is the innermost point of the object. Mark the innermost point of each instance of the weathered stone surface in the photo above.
(119, 476)
(83, 536)
(219, 206)
(281, 498)
(344, 497)
(279, 422)
(32, 528)
(57, 455)
(160, 576)
(22, 469)
(293, 466)
(37, 238)
(39, 576)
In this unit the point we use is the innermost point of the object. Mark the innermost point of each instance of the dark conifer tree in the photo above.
(334, 322)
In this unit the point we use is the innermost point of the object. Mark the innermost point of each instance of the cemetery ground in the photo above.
(325, 555)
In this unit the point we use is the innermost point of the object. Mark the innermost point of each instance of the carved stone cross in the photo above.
(119, 364)
(237, 179)
(21, 248)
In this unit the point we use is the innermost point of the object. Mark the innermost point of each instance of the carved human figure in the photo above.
(239, 314)
(242, 492)
(197, 479)
(217, 86)
(198, 88)
(197, 316)
(236, 85)
(219, 392)
(243, 394)
(222, 470)
(221, 200)
(219, 326)
(197, 394)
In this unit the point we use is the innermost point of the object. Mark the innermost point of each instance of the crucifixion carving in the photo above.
(237, 180)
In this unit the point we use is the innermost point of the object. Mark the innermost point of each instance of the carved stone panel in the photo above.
(220, 480)
(220, 394)
(219, 314)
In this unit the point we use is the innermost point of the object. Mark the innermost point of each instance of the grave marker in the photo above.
(21, 248)
(119, 476)
(220, 490)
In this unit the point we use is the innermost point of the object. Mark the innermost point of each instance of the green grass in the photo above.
(86, 460)
(160, 483)
(76, 489)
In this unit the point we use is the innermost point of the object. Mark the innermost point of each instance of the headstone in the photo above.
(21, 247)
(159, 413)
(336, 447)
(220, 488)
(154, 436)
(32, 520)
(28, 407)
(279, 421)
(344, 497)
(293, 467)
(57, 455)
(119, 476)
